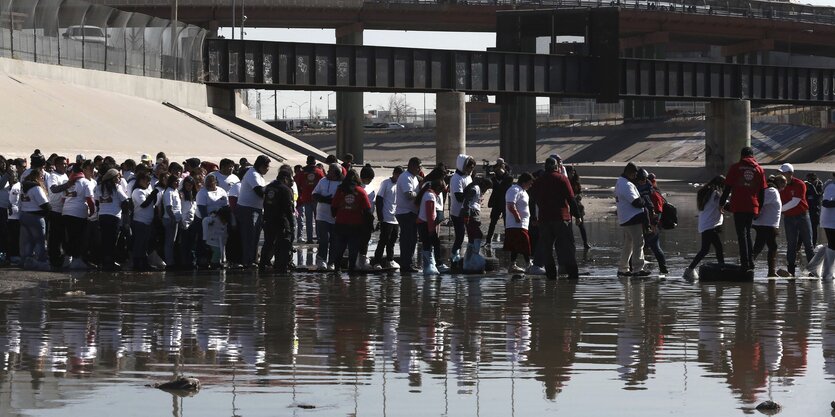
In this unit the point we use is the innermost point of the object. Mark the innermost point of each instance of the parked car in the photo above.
(91, 34)
(394, 125)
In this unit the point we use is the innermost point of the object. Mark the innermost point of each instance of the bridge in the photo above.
(638, 53)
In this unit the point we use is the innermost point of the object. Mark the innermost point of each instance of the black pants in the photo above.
(13, 242)
(347, 236)
(460, 229)
(278, 242)
(495, 214)
(766, 236)
(55, 239)
(110, 227)
(388, 236)
(710, 238)
(76, 243)
(830, 238)
(558, 235)
(742, 224)
(815, 219)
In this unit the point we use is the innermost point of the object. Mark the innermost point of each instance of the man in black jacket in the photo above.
(279, 221)
(502, 181)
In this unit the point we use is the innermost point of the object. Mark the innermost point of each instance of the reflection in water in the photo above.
(392, 345)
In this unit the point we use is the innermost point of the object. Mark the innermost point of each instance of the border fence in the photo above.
(78, 34)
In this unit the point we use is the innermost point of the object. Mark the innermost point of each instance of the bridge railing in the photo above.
(754, 9)
(78, 34)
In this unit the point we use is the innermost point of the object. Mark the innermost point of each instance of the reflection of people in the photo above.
(555, 333)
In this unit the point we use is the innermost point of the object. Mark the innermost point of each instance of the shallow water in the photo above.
(267, 345)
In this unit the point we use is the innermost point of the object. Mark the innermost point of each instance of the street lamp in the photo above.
(300, 107)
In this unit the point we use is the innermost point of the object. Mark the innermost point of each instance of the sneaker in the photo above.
(536, 270)
(78, 265)
(624, 274)
(784, 274)
(392, 264)
(690, 274)
(515, 269)
(67, 262)
(321, 265)
(641, 273)
(442, 269)
(662, 269)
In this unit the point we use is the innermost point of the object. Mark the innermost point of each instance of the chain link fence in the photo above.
(79, 34)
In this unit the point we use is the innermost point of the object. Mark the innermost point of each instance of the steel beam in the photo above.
(307, 66)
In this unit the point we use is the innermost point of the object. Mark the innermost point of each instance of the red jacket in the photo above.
(552, 192)
(306, 181)
(350, 208)
(746, 179)
(795, 188)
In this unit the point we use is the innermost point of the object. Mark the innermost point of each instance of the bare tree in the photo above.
(398, 108)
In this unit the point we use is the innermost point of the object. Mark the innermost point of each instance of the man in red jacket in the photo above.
(306, 181)
(554, 197)
(744, 182)
(795, 217)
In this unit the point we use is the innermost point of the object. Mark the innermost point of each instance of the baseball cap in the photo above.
(787, 167)
(146, 158)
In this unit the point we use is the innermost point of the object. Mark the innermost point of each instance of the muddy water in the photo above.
(308, 344)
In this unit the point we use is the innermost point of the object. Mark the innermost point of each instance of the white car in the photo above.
(91, 34)
(394, 125)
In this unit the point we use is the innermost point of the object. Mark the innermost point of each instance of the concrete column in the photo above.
(517, 118)
(727, 131)
(222, 101)
(349, 106)
(517, 129)
(450, 127)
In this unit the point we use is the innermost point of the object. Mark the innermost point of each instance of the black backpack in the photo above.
(669, 216)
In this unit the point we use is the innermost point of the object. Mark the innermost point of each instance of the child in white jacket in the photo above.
(767, 223)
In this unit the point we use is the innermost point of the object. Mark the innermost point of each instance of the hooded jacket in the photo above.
(746, 179)
(459, 181)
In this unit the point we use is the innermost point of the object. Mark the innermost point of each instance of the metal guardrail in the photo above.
(78, 34)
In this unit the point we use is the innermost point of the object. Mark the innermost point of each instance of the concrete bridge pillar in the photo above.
(451, 127)
(349, 106)
(517, 117)
(727, 131)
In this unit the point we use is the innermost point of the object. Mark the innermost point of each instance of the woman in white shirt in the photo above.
(190, 225)
(322, 194)
(144, 199)
(172, 215)
(518, 215)
(767, 223)
(78, 207)
(710, 223)
(111, 197)
(827, 221)
(34, 206)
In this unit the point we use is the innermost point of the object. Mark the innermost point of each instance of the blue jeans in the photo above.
(308, 211)
(798, 226)
(250, 224)
(324, 231)
(32, 236)
(346, 236)
(408, 238)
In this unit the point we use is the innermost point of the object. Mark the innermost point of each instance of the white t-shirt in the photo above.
(226, 182)
(406, 184)
(214, 232)
(32, 199)
(213, 200)
(711, 216)
(429, 196)
(457, 185)
(372, 194)
(189, 212)
(142, 215)
(14, 201)
(770, 209)
(235, 190)
(828, 214)
(56, 200)
(519, 197)
(388, 192)
(325, 188)
(625, 193)
(247, 196)
(171, 198)
(75, 198)
(111, 203)
(475, 201)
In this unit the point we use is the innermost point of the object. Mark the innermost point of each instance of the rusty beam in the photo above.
(748, 46)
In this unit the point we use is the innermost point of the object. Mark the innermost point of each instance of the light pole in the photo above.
(300, 107)
(328, 108)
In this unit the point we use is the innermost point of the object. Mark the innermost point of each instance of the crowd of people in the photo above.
(158, 214)
(81, 214)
